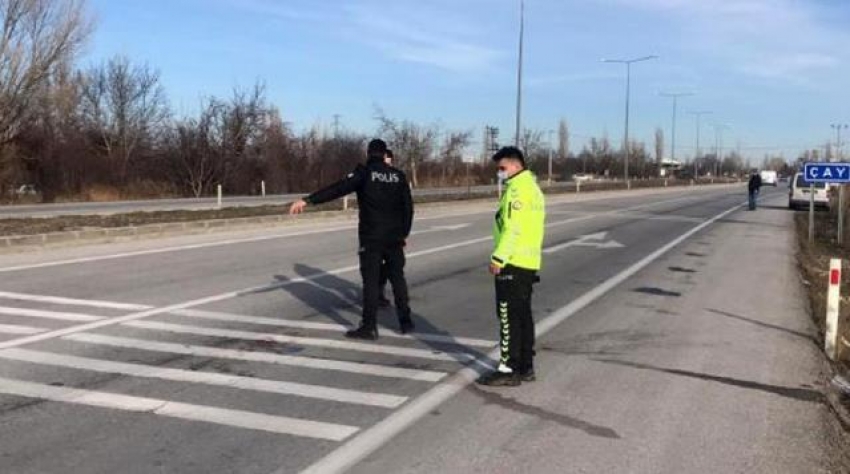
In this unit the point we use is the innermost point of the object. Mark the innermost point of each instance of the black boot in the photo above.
(369, 333)
(405, 325)
(383, 302)
(527, 375)
(500, 379)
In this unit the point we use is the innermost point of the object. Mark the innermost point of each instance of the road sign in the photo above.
(826, 173)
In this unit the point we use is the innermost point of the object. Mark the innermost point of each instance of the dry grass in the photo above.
(814, 260)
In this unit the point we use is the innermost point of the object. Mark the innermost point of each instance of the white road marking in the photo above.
(72, 301)
(179, 248)
(440, 338)
(592, 240)
(257, 356)
(304, 341)
(185, 411)
(440, 228)
(264, 288)
(35, 313)
(317, 392)
(361, 446)
(16, 329)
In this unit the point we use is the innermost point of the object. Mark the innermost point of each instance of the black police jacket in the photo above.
(383, 196)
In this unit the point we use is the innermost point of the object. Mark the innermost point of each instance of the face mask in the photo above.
(502, 175)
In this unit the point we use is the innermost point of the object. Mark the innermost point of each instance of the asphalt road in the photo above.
(223, 353)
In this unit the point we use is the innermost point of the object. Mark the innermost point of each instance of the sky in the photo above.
(775, 74)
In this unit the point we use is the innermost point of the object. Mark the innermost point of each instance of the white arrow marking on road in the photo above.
(440, 228)
(596, 240)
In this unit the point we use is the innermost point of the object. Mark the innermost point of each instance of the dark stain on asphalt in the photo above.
(657, 292)
(761, 324)
(682, 270)
(494, 398)
(799, 394)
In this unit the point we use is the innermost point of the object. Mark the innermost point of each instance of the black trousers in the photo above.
(516, 324)
(372, 257)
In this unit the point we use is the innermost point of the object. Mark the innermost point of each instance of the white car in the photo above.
(769, 178)
(800, 194)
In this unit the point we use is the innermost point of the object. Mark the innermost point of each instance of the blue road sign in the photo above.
(826, 172)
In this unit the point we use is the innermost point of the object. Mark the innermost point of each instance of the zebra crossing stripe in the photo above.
(34, 313)
(209, 378)
(257, 356)
(304, 341)
(202, 413)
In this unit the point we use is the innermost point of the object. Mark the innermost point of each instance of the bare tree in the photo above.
(411, 143)
(126, 106)
(36, 37)
(563, 140)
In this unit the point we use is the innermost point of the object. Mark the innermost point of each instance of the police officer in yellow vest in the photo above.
(518, 239)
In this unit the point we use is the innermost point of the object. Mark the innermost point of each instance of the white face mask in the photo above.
(502, 175)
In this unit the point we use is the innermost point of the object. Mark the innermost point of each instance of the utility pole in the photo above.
(698, 115)
(628, 63)
(838, 145)
(336, 125)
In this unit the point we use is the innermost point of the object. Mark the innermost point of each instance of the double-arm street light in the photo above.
(675, 96)
(628, 63)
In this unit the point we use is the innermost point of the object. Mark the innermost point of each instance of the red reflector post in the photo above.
(834, 277)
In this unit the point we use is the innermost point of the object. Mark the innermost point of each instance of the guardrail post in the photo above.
(345, 203)
(578, 187)
(263, 188)
(833, 300)
(219, 196)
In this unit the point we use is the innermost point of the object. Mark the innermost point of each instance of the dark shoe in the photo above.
(406, 325)
(363, 332)
(383, 302)
(500, 379)
(527, 375)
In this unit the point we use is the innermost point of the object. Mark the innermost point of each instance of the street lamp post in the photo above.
(698, 115)
(549, 180)
(628, 63)
(519, 72)
(675, 97)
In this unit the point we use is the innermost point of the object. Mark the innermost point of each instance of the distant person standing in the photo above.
(386, 215)
(754, 187)
(515, 261)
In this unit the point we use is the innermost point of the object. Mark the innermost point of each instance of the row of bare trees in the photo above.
(108, 132)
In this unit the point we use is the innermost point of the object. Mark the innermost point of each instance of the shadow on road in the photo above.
(800, 394)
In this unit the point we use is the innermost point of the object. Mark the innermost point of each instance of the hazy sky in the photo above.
(776, 72)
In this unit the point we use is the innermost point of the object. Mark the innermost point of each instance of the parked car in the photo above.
(800, 194)
(581, 177)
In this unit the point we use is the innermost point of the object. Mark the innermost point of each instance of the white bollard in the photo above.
(578, 187)
(833, 300)
(219, 196)
(263, 188)
(345, 203)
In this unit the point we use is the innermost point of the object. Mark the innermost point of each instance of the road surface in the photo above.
(223, 353)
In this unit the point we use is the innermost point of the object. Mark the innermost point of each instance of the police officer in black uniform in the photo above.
(386, 215)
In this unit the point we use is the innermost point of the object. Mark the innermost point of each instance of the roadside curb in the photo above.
(116, 234)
